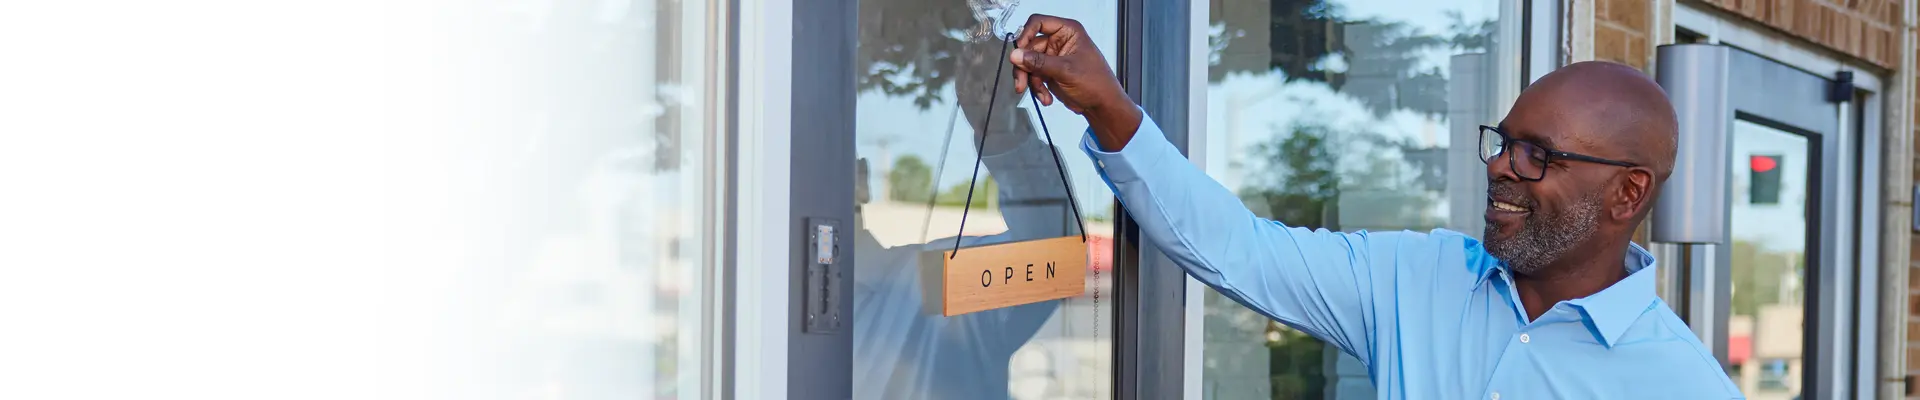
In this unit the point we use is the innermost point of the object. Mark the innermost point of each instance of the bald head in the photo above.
(1610, 110)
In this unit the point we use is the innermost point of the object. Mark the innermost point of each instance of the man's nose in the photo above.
(1500, 168)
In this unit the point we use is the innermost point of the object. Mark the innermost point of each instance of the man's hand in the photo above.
(1054, 57)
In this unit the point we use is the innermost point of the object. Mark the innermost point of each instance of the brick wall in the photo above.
(1862, 28)
(1621, 32)
(1866, 29)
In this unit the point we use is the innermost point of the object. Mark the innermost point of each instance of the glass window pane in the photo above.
(1767, 319)
(925, 71)
(595, 217)
(1345, 115)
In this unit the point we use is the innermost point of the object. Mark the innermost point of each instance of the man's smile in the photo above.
(1508, 207)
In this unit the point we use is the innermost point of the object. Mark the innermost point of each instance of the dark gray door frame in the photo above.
(820, 365)
(1150, 291)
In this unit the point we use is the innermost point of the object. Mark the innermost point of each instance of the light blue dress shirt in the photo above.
(1432, 315)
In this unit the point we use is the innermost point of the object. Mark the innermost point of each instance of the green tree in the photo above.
(956, 195)
(910, 47)
(1298, 364)
(1758, 275)
(1300, 186)
(910, 180)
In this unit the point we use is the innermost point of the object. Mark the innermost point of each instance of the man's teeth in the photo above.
(1504, 206)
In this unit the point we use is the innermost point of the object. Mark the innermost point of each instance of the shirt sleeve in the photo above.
(1321, 282)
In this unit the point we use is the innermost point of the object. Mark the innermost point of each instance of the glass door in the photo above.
(1772, 296)
(945, 158)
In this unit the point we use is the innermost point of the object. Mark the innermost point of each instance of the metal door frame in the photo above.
(1848, 180)
(1150, 292)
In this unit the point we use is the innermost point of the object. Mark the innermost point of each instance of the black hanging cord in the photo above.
(1058, 165)
(1062, 167)
(993, 93)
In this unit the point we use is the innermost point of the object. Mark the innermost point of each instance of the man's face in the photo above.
(1532, 224)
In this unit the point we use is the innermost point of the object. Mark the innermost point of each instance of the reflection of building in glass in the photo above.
(1766, 352)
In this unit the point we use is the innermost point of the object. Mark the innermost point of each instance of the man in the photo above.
(1557, 302)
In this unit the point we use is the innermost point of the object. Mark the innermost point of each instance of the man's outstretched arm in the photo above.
(1319, 281)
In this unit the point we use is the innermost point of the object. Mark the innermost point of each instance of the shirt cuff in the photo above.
(1149, 147)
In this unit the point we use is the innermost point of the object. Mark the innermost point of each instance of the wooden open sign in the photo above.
(1003, 275)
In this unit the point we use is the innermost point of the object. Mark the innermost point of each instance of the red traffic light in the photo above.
(1763, 163)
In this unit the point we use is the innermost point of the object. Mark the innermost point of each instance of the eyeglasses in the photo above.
(1493, 142)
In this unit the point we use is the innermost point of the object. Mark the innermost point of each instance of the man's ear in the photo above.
(1633, 193)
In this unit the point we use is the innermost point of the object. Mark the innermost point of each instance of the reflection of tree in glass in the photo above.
(909, 47)
(1758, 276)
(1299, 179)
(911, 180)
(956, 195)
(1301, 187)
(1298, 365)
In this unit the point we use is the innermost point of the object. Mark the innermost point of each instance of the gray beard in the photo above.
(1544, 239)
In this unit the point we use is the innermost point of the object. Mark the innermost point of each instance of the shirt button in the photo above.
(1496, 395)
(1523, 339)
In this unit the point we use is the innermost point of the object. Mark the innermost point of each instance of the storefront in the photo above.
(808, 158)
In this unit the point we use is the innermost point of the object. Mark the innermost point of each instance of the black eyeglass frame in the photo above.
(1550, 154)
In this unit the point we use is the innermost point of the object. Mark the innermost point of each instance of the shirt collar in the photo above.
(1611, 311)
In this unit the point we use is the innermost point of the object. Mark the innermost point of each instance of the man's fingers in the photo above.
(1046, 95)
(1046, 91)
(1036, 58)
(1019, 81)
(1038, 24)
(1038, 65)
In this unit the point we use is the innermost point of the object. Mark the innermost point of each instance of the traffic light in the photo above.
(1765, 187)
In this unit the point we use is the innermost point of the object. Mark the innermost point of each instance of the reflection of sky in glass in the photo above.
(1786, 225)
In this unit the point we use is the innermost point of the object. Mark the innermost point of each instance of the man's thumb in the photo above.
(1035, 62)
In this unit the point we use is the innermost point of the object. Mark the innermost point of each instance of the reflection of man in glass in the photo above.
(904, 352)
(1557, 302)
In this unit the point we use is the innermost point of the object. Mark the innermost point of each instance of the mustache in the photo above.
(1509, 192)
